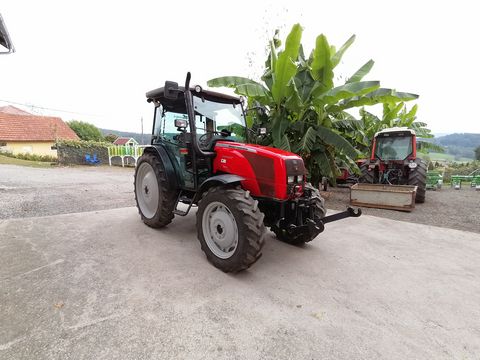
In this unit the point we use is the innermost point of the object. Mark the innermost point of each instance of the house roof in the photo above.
(9, 109)
(124, 140)
(15, 127)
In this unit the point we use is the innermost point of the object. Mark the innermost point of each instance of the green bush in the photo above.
(85, 131)
(460, 169)
(30, 157)
(83, 144)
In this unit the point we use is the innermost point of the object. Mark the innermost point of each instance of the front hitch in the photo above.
(350, 212)
(312, 228)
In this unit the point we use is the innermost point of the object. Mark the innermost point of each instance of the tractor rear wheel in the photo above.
(155, 200)
(230, 228)
(418, 177)
(319, 213)
(366, 176)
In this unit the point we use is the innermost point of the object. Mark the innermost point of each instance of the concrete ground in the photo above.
(101, 285)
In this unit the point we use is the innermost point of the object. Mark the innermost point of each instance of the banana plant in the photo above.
(304, 105)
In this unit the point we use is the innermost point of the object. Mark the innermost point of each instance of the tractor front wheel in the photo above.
(366, 176)
(418, 177)
(230, 228)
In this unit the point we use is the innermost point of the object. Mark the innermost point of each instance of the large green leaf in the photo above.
(280, 123)
(252, 90)
(379, 96)
(242, 86)
(338, 55)
(308, 141)
(331, 137)
(273, 56)
(321, 65)
(230, 81)
(285, 68)
(360, 73)
(346, 91)
(304, 84)
(322, 161)
(285, 144)
(294, 101)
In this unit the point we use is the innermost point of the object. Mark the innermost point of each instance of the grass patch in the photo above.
(446, 157)
(15, 161)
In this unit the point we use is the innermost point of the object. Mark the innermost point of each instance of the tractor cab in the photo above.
(394, 144)
(218, 117)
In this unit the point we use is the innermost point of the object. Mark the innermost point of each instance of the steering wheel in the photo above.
(206, 139)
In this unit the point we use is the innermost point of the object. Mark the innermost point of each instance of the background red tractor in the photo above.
(394, 161)
(200, 156)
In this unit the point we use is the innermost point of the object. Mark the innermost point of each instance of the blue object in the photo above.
(91, 160)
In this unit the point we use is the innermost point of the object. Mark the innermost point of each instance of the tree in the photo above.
(85, 131)
(477, 153)
(302, 105)
(110, 138)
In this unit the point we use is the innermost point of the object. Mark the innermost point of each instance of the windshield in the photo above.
(217, 116)
(393, 148)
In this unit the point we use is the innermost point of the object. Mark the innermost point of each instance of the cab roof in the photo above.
(179, 103)
(395, 130)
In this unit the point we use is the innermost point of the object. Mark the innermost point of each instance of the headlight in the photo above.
(291, 179)
(412, 165)
(300, 178)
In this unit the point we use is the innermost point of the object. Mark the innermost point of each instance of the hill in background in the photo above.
(460, 145)
(136, 136)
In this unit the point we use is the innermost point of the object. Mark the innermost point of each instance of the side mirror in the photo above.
(181, 124)
(262, 131)
(171, 90)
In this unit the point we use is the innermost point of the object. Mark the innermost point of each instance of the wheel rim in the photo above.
(220, 230)
(147, 190)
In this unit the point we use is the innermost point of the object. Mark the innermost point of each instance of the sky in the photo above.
(95, 60)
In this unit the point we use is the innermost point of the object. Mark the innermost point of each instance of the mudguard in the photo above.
(160, 151)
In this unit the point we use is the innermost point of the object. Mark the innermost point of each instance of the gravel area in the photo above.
(449, 208)
(30, 192)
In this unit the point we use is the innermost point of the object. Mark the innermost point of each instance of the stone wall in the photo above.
(68, 154)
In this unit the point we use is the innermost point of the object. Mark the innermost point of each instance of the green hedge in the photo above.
(31, 157)
(82, 144)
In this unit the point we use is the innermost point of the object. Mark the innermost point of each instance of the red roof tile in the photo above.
(122, 141)
(33, 128)
(9, 109)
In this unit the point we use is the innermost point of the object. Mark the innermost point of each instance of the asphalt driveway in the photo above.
(101, 285)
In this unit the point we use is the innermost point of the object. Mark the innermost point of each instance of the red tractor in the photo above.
(394, 161)
(199, 157)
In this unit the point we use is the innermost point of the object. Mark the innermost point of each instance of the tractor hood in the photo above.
(260, 149)
(267, 170)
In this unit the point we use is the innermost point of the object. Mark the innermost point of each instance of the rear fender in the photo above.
(161, 153)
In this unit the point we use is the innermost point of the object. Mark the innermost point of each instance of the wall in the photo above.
(30, 147)
(76, 154)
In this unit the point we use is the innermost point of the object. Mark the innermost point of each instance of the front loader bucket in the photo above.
(394, 197)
